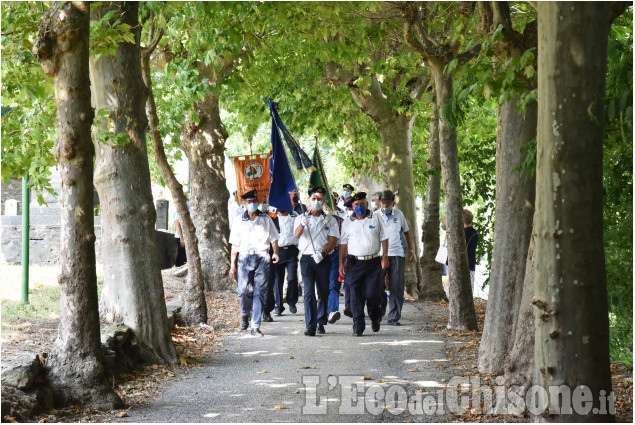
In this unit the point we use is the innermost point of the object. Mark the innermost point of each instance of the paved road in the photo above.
(373, 367)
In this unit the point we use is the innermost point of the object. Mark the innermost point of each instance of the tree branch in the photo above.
(469, 54)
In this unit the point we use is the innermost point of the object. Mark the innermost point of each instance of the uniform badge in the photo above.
(371, 227)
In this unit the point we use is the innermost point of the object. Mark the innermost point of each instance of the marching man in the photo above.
(250, 237)
(317, 232)
(363, 233)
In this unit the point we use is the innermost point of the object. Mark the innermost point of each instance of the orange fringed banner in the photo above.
(252, 172)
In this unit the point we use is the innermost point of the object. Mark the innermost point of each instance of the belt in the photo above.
(254, 252)
(287, 247)
(364, 257)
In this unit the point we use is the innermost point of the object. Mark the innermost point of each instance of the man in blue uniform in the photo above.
(360, 263)
(317, 232)
(250, 238)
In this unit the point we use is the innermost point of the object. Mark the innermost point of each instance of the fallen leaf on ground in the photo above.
(291, 357)
(281, 407)
(414, 369)
(121, 415)
(263, 371)
(255, 360)
(367, 378)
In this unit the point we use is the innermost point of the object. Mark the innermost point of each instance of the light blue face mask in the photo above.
(346, 194)
(264, 208)
(387, 210)
(316, 205)
(252, 207)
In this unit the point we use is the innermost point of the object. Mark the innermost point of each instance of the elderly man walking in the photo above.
(395, 226)
(360, 262)
(250, 237)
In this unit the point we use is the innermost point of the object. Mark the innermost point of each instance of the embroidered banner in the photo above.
(252, 172)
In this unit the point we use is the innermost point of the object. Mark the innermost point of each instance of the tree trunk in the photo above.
(74, 367)
(204, 146)
(133, 287)
(519, 364)
(462, 314)
(194, 309)
(431, 286)
(396, 139)
(515, 195)
(572, 329)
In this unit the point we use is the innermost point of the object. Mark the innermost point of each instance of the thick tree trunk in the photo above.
(204, 146)
(515, 195)
(396, 139)
(431, 286)
(133, 287)
(519, 364)
(572, 329)
(74, 367)
(194, 309)
(462, 314)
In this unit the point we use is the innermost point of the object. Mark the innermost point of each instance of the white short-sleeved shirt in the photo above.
(236, 210)
(395, 224)
(286, 230)
(363, 237)
(254, 234)
(319, 231)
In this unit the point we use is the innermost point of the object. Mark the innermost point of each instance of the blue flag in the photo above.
(280, 176)
(302, 162)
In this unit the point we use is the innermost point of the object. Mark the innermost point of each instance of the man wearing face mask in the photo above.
(363, 234)
(317, 232)
(347, 192)
(250, 262)
(375, 199)
(395, 226)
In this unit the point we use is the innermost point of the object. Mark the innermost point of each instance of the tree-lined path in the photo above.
(233, 387)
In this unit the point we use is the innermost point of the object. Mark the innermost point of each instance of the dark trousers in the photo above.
(396, 286)
(288, 263)
(181, 257)
(363, 278)
(269, 300)
(315, 276)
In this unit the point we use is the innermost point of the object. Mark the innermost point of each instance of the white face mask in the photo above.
(252, 207)
(264, 208)
(316, 205)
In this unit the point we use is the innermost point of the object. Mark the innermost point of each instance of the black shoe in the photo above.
(293, 309)
(256, 332)
(348, 313)
(394, 323)
(358, 333)
(334, 317)
(244, 323)
(266, 317)
(277, 312)
(375, 326)
(320, 329)
(310, 332)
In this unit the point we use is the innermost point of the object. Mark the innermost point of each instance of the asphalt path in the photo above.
(389, 376)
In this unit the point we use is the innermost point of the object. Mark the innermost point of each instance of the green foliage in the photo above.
(106, 34)
(28, 103)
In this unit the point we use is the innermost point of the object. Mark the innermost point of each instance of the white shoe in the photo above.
(334, 317)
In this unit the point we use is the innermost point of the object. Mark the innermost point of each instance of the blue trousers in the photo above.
(363, 278)
(269, 299)
(288, 263)
(315, 276)
(334, 283)
(251, 292)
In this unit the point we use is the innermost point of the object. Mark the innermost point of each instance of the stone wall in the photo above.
(44, 244)
(13, 190)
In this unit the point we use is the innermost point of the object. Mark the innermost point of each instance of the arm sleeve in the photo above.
(383, 235)
(404, 225)
(234, 236)
(344, 238)
(333, 228)
(274, 235)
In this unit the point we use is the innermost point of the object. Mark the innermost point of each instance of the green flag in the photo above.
(318, 178)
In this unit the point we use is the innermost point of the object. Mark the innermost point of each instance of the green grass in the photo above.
(44, 299)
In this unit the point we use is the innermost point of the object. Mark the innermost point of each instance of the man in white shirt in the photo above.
(347, 193)
(317, 232)
(250, 237)
(395, 226)
(288, 251)
(363, 234)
